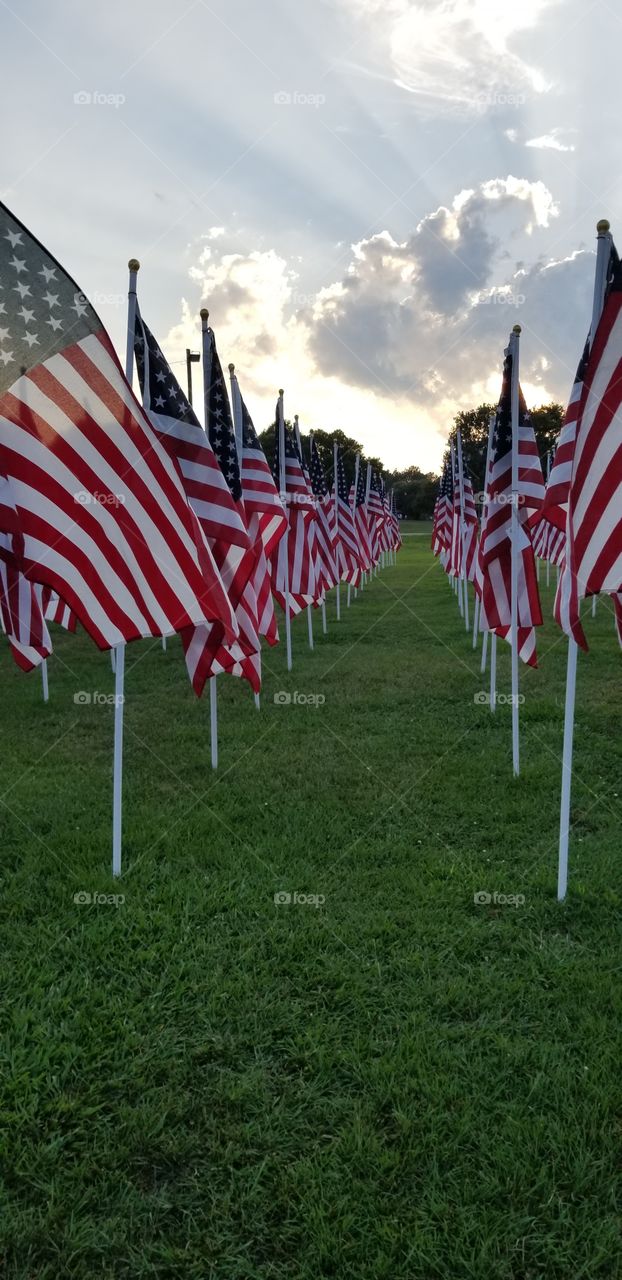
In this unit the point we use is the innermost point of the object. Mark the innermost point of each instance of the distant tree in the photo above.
(325, 441)
(415, 492)
(546, 420)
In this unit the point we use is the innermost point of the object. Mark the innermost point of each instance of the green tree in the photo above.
(546, 421)
(415, 492)
(325, 441)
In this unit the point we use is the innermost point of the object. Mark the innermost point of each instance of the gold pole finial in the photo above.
(204, 313)
(516, 329)
(602, 227)
(281, 391)
(133, 264)
(231, 368)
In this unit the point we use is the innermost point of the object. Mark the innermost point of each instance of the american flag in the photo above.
(100, 507)
(554, 507)
(549, 542)
(359, 510)
(220, 429)
(21, 612)
(294, 553)
(320, 593)
(259, 491)
(325, 529)
(496, 534)
(265, 516)
(375, 516)
(55, 610)
(593, 562)
(443, 513)
(396, 535)
(463, 530)
(207, 648)
(348, 554)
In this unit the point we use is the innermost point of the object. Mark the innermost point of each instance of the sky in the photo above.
(366, 194)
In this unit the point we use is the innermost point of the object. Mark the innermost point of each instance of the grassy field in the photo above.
(387, 1082)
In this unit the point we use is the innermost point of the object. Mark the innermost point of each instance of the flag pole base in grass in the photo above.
(44, 679)
(484, 652)
(113, 661)
(164, 643)
(310, 625)
(324, 626)
(475, 621)
(213, 720)
(493, 671)
(338, 601)
(564, 814)
(257, 702)
(117, 778)
(348, 596)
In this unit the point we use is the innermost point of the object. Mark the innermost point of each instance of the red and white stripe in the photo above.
(102, 510)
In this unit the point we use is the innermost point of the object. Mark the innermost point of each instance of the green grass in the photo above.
(397, 1084)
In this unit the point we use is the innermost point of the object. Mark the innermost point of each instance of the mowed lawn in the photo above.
(387, 1082)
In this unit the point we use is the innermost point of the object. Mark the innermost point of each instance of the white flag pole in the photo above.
(493, 670)
(119, 655)
(475, 620)
(283, 494)
(338, 589)
(238, 426)
(213, 721)
(463, 575)
(323, 604)
(164, 643)
(357, 467)
(593, 606)
(206, 351)
(484, 652)
(309, 607)
(456, 581)
(44, 679)
(515, 352)
(367, 493)
(491, 427)
(603, 248)
(112, 661)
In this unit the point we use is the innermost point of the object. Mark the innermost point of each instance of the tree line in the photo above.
(416, 490)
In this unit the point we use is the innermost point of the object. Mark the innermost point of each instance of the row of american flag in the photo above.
(132, 518)
(572, 520)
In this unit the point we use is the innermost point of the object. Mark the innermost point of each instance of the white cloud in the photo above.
(412, 331)
(457, 56)
(551, 142)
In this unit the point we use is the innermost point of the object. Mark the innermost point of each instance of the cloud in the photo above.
(458, 57)
(551, 141)
(412, 331)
